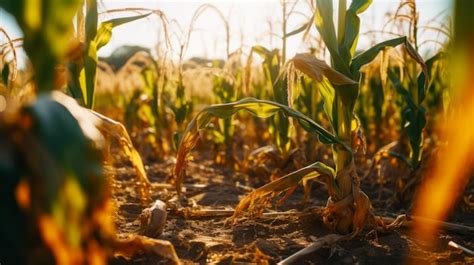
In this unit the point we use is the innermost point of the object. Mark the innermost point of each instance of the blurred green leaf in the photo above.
(401, 89)
(65, 140)
(91, 20)
(359, 6)
(422, 87)
(104, 33)
(5, 74)
(47, 27)
(89, 75)
(261, 51)
(305, 27)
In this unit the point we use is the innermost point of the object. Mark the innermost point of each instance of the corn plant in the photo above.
(145, 116)
(40, 25)
(373, 106)
(348, 208)
(412, 89)
(54, 151)
(438, 98)
(414, 114)
(183, 107)
(226, 87)
(340, 100)
(55, 184)
(272, 67)
(84, 68)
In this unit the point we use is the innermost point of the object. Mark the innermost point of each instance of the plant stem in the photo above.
(342, 157)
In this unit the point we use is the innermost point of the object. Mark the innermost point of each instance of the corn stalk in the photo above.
(340, 100)
(83, 68)
(348, 208)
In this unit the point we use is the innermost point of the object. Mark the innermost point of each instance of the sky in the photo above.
(250, 23)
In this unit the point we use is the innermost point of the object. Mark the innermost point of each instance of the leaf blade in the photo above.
(256, 107)
(370, 54)
(316, 69)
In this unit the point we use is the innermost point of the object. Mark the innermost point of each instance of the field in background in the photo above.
(273, 132)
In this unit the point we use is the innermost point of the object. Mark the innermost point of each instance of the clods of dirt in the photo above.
(267, 240)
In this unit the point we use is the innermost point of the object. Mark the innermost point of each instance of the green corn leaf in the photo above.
(256, 107)
(323, 19)
(65, 145)
(325, 24)
(352, 26)
(96, 38)
(328, 94)
(359, 6)
(414, 118)
(401, 89)
(261, 51)
(400, 157)
(415, 122)
(88, 75)
(265, 109)
(5, 74)
(370, 54)
(351, 36)
(422, 80)
(305, 27)
(104, 33)
(271, 64)
(91, 20)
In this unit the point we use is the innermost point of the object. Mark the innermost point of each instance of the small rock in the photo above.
(153, 219)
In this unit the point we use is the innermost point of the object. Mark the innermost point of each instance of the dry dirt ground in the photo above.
(268, 240)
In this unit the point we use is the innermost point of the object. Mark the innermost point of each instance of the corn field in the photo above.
(343, 135)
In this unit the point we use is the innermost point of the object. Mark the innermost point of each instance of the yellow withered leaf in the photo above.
(257, 200)
(316, 69)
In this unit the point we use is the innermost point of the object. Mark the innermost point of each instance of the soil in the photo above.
(268, 240)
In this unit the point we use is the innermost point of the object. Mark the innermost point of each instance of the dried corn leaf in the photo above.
(257, 200)
(136, 244)
(316, 69)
